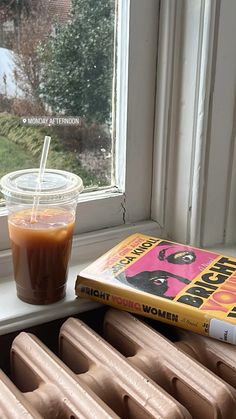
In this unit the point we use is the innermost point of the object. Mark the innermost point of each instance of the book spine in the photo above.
(165, 311)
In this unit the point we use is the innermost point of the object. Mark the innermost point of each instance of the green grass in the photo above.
(21, 148)
(14, 157)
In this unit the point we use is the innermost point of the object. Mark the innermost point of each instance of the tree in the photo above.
(77, 63)
(31, 25)
(13, 11)
(12, 8)
(34, 29)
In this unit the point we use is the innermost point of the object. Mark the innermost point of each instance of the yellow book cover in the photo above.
(191, 288)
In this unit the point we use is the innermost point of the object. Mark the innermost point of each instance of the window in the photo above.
(128, 199)
(194, 186)
(175, 140)
(175, 153)
(58, 78)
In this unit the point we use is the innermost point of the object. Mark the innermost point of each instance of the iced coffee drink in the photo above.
(41, 251)
(41, 224)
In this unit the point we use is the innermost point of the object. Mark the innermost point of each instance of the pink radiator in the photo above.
(128, 370)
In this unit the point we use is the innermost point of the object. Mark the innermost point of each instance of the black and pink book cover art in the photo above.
(166, 269)
(176, 283)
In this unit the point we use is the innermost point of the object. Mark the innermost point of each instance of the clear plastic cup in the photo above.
(41, 245)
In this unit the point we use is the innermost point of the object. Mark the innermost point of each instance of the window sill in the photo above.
(16, 315)
(229, 250)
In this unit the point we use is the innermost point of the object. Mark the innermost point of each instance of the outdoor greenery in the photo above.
(77, 63)
(63, 65)
(25, 141)
(13, 8)
(13, 156)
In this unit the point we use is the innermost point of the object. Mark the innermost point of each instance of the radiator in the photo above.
(116, 366)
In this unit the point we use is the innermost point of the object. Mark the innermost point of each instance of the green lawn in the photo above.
(14, 157)
(21, 146)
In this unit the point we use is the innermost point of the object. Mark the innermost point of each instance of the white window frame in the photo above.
(183, 92)
(167, 166)
(128, 202)
(184, 134)
(194, 182)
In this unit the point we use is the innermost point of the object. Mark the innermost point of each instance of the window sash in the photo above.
(194, 186)
(191, 55)
(220, 192)
(129, 202)
(192, 99)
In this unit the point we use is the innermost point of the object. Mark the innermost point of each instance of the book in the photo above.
(188, 287)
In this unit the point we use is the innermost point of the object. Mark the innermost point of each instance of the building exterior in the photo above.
(59, 9)
(11, 15)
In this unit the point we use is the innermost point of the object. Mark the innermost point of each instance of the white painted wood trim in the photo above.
(130, 201)
(204, 84)
(184, 89)
(123, 38)
(16, 314)
(143, 42)
(165, 69)
(230, 237)
(94, 244)
(220, 203)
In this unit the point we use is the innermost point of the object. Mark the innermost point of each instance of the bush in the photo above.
(5, 103)
(77, 63)
(84, 137)
(24, 107)
(31, 138)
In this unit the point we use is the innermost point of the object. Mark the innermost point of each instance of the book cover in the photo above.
(188, 287)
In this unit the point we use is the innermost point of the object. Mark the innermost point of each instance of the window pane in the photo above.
(57, 78)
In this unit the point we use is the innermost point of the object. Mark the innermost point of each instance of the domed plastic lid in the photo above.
(56, 185)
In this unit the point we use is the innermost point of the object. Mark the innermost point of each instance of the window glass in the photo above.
(57, 78)
(129, 51)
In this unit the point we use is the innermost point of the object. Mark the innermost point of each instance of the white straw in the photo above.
(43, 162)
